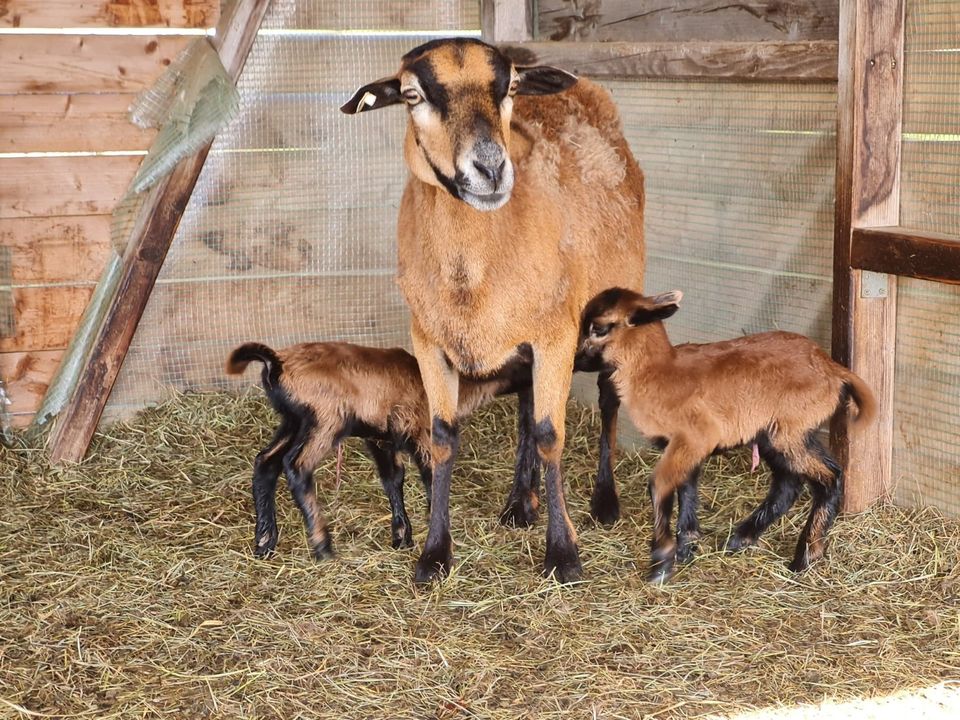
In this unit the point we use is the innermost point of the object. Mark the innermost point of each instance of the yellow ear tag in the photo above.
(368, 99)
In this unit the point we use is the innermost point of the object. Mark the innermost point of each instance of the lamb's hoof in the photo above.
(687, 546)
(522, 511)
(799, 563)
(605, 506)
(738, 543)
(324, 549)
(661, 565)
(563, 564)
(401, 537)
(265, 545)
(434, 564)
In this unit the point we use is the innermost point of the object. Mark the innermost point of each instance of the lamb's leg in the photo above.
(552, 374)
(688, 527)
(391, 471)
(825, 478)
(442, 385)
(266, 469)
(784, 489)
(672, 470)
(604, 504)
(523, 503)
(305, 452)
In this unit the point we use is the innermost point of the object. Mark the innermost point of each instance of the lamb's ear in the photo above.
(543, 80)
(663, 306)
(374, 96)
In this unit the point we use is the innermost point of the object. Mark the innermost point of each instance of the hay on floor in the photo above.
(128, 589)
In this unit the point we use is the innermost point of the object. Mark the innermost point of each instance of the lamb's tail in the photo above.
(863, 396)
(250, 352)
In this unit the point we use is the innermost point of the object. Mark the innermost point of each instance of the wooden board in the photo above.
(26, 375)
(109, 13)
(84, 63)
(52, 186)
(56, 250)
(69, 123)
(46, 317)
(813, 60)
(686, 20)
(909, 253)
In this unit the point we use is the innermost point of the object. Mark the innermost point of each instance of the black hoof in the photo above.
(324, 549)
(661, 565)
(737, 543)
(799, 563)
(401, 537)
(687, 547)
(605, 506)
(265, 544)
(563, 564)
(433, 565)
(522, 511)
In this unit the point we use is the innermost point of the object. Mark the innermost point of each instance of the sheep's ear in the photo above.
(664, 305)
(543, 80)
(374, 96)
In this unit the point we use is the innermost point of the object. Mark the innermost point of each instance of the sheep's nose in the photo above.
(491, 173)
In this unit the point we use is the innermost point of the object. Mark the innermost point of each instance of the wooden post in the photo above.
(870, 92)
(150, 239)
(507, 20)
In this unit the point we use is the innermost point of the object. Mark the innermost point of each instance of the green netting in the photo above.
(926, 450)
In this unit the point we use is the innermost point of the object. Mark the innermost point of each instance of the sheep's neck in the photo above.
(638, 355)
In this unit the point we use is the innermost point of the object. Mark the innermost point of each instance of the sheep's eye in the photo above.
(514, 86)
(412, 96)
(599, 330)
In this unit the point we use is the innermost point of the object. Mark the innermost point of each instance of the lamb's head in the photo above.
(608, 315)
(459, 96)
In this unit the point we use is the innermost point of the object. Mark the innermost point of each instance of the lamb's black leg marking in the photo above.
(785, 486)
(604, 504)
(825, 478)
(426, 475)
(300, 482)
(266, 469)
(688, 527)
(523, 503)
(391, 471)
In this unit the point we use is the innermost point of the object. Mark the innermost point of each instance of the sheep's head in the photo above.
(459, 95)
(609, 314)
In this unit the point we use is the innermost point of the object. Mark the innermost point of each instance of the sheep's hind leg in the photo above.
(784, 489)
(825, 478)
(523, 503)
(671, 472)
(688, 527)
(604, 503)
(391, 471)
(266, 469)
(298, 463)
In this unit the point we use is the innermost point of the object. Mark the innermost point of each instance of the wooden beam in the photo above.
(909, 253)
(506, 20)
(150, 239)
(685, 20)
(810, 61)
(115, 13)
(872, 83)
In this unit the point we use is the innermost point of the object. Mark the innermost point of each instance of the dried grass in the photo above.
(128, 589)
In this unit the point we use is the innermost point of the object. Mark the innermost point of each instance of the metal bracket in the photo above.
(873, 284)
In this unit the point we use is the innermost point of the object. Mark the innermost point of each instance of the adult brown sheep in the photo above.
(524, 201)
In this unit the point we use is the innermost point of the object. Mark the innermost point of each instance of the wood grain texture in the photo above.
(69, 123)
(46, 317)
(905, 252)
(107, 13)
(506, 20)
(814, 61)
(53, 186)
(84, 63)
(26, 375)
(877, 98)
(148, 245)
(686, 20)
(56, 250)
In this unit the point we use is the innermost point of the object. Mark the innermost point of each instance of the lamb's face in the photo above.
(459, 95)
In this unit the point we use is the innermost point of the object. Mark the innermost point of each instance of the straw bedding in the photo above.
(128, 589)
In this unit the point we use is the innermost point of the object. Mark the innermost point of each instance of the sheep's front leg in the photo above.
(523, 503)
(552, 373)
(442, 385)
(679, 459)
(604, 504)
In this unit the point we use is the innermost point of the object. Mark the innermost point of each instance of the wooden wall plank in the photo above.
(56, 250)
(26, 376)
(683, 20)
(69, 123)
(507, 20)
(110, 13)
(46, 317)
(84, 63)
(52, 186)
(815, 60)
